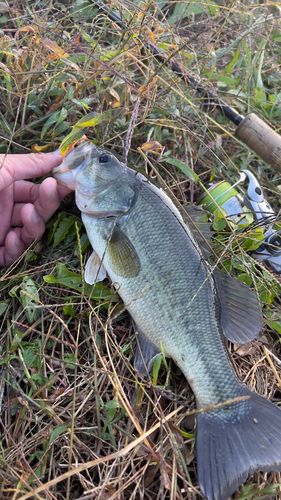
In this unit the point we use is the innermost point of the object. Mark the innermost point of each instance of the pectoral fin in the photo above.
(240, 311)
(122, 254)
(145, 355)
(94, 270)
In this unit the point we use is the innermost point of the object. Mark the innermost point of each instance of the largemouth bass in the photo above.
(181, 305)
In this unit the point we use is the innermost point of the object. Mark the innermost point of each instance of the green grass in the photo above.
(68, 393)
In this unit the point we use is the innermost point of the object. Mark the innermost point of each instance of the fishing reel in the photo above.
(239, 205)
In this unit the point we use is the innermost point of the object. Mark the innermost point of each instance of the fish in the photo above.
(182, 305)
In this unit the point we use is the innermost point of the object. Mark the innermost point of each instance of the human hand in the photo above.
(24, 205)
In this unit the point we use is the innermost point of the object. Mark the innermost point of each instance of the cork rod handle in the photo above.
(261, 138)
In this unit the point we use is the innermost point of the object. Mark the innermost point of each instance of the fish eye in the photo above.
(104, 158)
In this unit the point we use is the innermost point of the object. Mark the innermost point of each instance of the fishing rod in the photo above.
(250, 129)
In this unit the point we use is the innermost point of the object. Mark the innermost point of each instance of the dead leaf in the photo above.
(116, 103)
(40, 149)
(249, 349)
(152, 37)
(144, 89)
(71, 141)
(152, 146)
(57, 51)
(76, 39)
(28, 29)
(56, 104)
(5, 68)
(165, 477)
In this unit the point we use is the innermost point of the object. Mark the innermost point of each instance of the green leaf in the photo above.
(6, 360)
(156, 368)
(70, 279)
(219, 222)
(253, 240)
(57, 431)
(245, 278)
(183, 167)
(182, 10)
(230, 66)
(70, 361)
(112, 404)
(92, 119)
(69, 310)
(31, 356)
(29, 298)
(110, 54)
(62, 229)
(187, 435)
(252, 492)
(276, 36)
(70, 139)
(3, 307)
(275, 325)
(213, 8)
(54, 120)
(230, 81)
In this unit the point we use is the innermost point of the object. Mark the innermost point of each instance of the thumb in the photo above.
(26, 166)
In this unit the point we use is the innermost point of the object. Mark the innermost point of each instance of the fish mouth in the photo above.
(65, 176)
(61, 169)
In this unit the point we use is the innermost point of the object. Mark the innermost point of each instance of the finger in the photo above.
(26, 166)
(33, 225)
(48, 199)
(12, 249)
(25, 191)
(28, 192)
(6, 209)
(63, 190)
(2, 256)
(16, 219)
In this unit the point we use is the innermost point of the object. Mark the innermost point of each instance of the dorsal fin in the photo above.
(240, 311)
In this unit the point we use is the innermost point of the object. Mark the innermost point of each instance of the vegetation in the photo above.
(76, 421)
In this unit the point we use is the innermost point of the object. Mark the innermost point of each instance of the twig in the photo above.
(130, 446)
(131, 128)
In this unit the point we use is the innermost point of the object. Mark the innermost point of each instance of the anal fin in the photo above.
(145, 355)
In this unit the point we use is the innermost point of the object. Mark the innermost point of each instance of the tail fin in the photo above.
(235, 441)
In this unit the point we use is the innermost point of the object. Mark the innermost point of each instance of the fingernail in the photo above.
(57, 153)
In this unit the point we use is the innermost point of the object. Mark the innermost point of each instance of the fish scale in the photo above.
(180, 305)
(172, 298)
